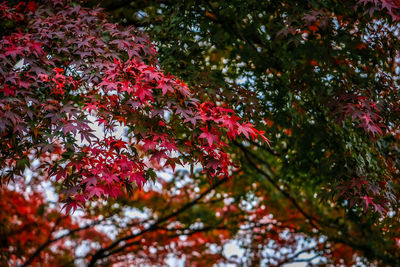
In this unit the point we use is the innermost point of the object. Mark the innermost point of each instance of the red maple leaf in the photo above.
(95, 191)
(209, 136)
(143, 91)
(368, 201)
(7, 90)
(246, 129)
(138, 178)
(165, 87)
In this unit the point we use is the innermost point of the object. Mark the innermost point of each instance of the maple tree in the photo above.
(73, 64)
(319, 78)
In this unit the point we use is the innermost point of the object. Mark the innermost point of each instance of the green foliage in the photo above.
(306, 72)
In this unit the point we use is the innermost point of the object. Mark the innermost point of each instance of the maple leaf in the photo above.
(158, 155)
(208, 136)
(142, 92)
(358, 183)
(110, 178)
(102, 121)
(126, 87)
(95, 191)
(124, 164)
(151, 73)
(186, 113)
(172, 162)
(165, 87)
(183, 89)
(138, 177)
(261, 134)
(231, 123)
(366, 118)
(368, 201)
(109, 84)
(13, 117)
(47, 147)
(113, 191)
(36, 47)
(7, 90)
(379, 208)
(24, 84)
(72, 206)
(374, 129)
(91, 106)
(213, 163)
(71, 190)
(160, 136)
(193, 119)
(149, 144)
(87, 135)
(246, 129)
(31, 6)
(14, 51)
(169, 145)
(134, 104)
(387, 4)
(118, 144)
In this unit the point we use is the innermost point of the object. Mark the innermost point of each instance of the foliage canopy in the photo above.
(320, 78)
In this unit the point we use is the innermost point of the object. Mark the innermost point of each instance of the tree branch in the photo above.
(100, 254)
(50, 241)
(311, 220)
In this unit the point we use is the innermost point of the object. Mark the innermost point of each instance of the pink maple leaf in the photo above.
(95, 191)
(368, 201)
(246, 129)
(138, 178)
(209, 136)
